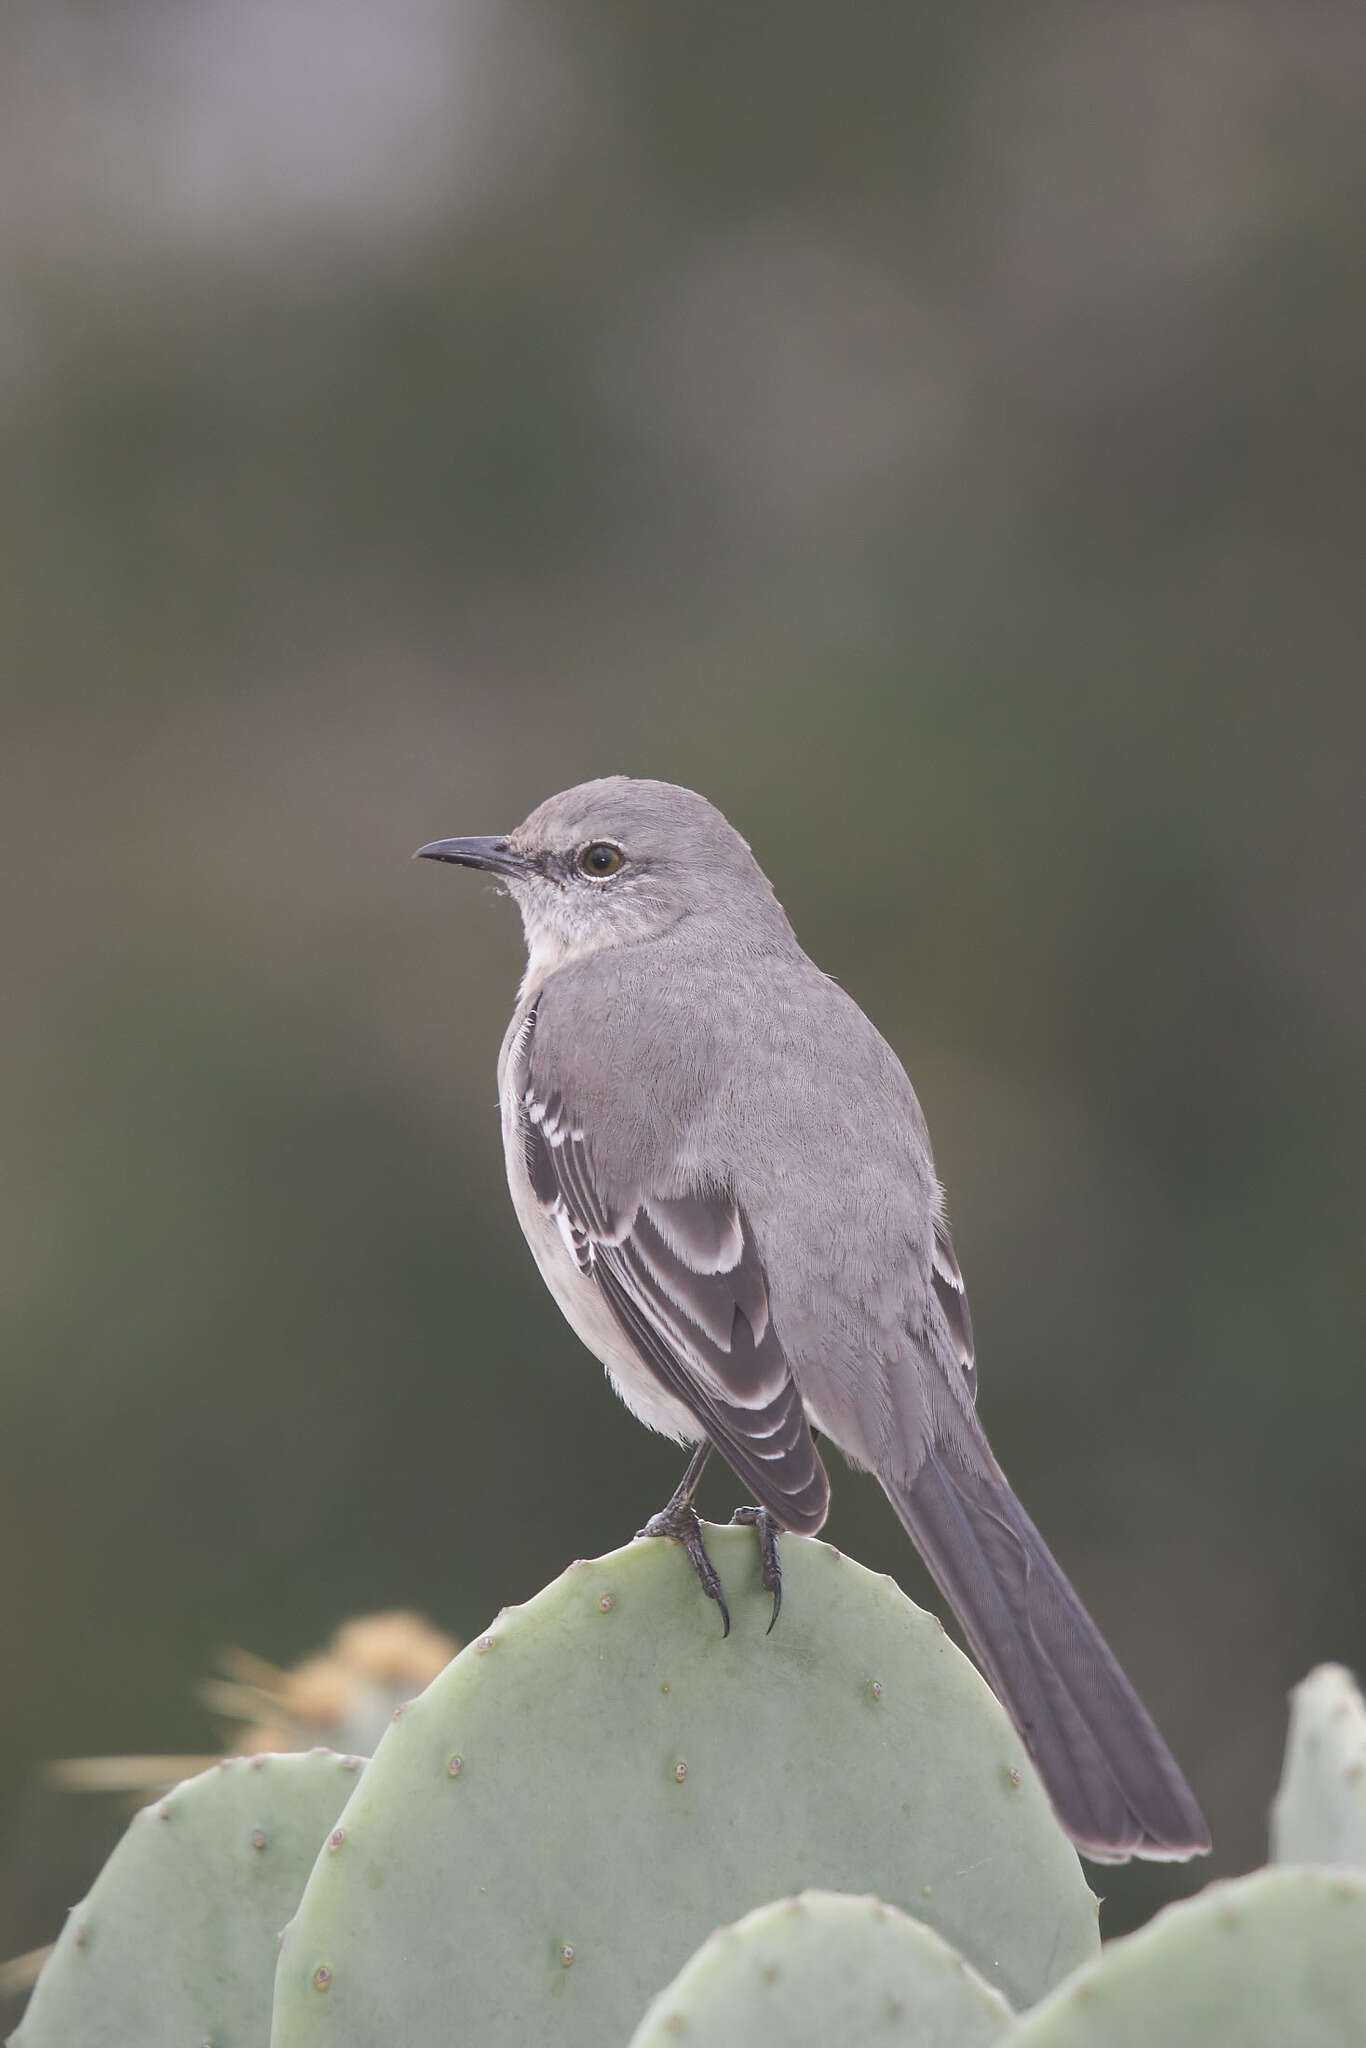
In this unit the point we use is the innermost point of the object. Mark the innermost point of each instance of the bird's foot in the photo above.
(770, 1570)
(678, 1521)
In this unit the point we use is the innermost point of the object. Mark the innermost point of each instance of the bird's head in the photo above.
(618, 861)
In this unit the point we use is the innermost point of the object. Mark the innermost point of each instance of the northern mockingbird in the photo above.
(725, 1178)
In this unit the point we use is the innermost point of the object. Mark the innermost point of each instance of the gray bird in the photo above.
(725, 1178)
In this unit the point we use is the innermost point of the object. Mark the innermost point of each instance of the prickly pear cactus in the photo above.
(545, 1836)
(1319, 1815)
(824, 1968)
(1266, 1961)
(176, 1943)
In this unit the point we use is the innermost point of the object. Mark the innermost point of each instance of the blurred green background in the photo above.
(936, 433)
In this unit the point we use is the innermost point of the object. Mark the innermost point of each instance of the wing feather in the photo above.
(947, 1280)
(683, 1277)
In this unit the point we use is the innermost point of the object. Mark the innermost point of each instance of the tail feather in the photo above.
(1113, 1782)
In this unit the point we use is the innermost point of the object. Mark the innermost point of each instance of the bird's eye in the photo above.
(601, 858)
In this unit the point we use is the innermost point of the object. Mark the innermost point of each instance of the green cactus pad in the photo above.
(546, 1835)
(825, 1968)
(1319, 1815)
(176, 1943)
(1265, 1961)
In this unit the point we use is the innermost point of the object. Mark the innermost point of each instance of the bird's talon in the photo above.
(770, 1570)
(678, 1522)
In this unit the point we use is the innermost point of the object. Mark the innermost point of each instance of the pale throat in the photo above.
(561, 928)
(551, 943)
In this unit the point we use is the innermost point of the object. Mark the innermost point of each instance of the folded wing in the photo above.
(683, 1278)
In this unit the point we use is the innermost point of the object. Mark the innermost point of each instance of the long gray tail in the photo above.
(1113, 1782)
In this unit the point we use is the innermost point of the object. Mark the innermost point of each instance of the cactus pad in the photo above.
(176, 1942)
(1263, 1961)
(823, 1968)
(1319, 1815)
(547, 1834)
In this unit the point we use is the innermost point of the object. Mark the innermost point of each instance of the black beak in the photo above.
(494, 854)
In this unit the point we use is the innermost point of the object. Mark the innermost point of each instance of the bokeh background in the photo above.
(937, 434)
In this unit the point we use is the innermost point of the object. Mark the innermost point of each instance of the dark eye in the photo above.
(601, 858)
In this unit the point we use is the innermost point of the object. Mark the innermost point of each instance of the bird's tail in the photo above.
(1113, 1782)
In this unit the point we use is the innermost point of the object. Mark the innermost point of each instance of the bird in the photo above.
(725, 1178)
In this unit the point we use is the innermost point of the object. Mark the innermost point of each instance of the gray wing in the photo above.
(952, 1296)
(683, 1278)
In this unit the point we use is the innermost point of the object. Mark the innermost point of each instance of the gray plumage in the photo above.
(726, 1180)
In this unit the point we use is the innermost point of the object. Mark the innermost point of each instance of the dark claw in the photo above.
(771, 1572)
(679, 1522)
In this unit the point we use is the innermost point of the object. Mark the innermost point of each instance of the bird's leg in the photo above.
(770, 1570)
(679, 1522)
